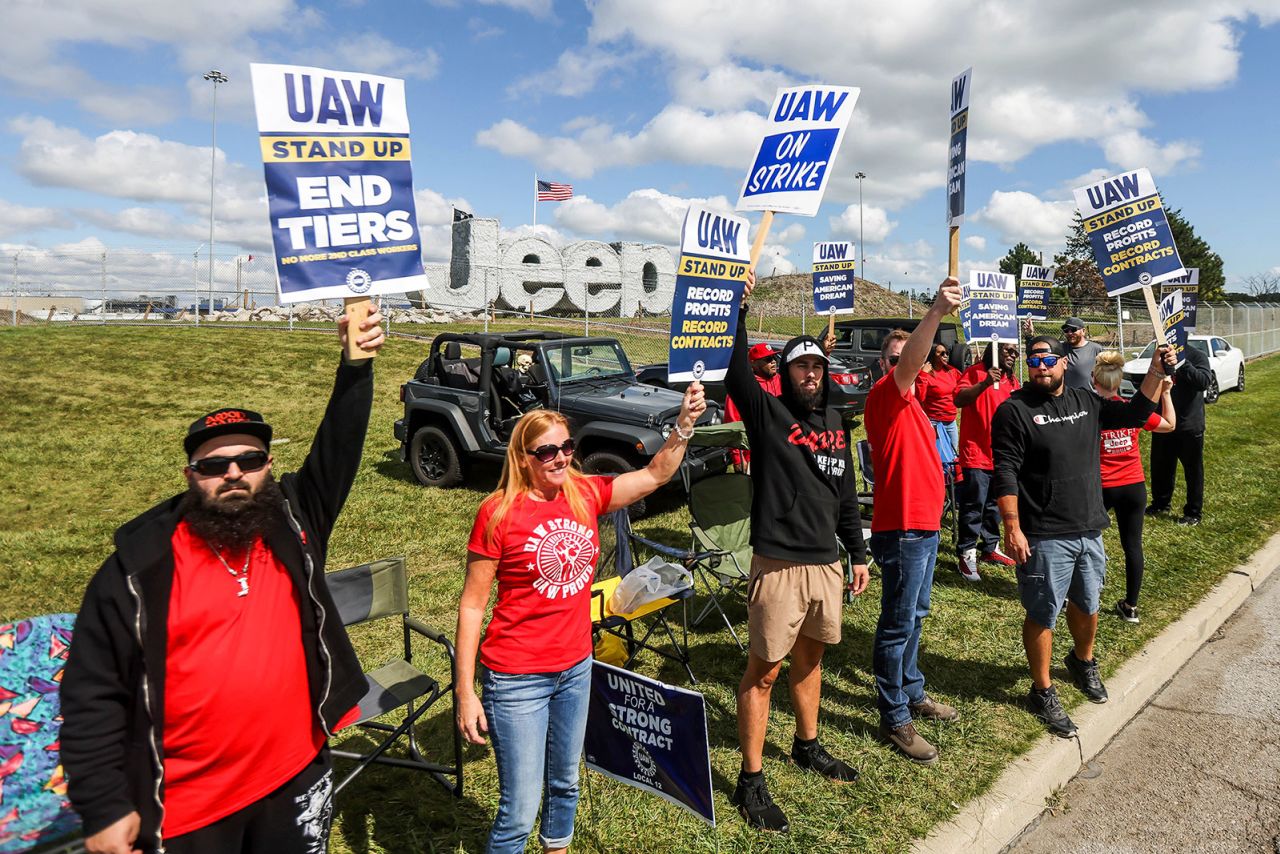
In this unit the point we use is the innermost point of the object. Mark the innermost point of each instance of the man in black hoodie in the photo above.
(1048, 484)
(804, 496)
(214, 607)
(1186, 443)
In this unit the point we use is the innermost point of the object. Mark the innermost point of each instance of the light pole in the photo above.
(215, 76)
(862, 246)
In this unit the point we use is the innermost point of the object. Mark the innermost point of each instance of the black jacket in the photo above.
(804, 494)
(1189, 385)
(1046, 452)
(113, 691)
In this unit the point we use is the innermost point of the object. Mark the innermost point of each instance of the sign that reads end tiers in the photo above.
(1190, 287)
(956, 152)
(802, 137)
(714, 258)
(833, 277)
(1129, 232)
(1033, 291)
(335, 150)
(989, 307)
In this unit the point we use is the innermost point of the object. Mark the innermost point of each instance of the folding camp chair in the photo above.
(720, 507)
(379, 590)
(617, 555)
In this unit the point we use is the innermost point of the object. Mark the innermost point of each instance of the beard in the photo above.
(1049, 384)
(810, 400)
(235, 520)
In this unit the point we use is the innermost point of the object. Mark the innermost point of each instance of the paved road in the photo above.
(1199, 769)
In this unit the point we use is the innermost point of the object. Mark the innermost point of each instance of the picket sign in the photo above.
(1156, 326)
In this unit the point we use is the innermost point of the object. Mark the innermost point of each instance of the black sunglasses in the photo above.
(893, 360)
(215, 466)
(547, 453)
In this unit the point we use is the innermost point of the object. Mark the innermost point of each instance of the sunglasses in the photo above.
(892, 360)
(216, 466)
(547, 453)
(1048, 361)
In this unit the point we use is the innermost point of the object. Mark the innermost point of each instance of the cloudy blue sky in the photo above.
(644, 106)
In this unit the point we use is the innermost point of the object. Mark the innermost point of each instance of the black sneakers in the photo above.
(1153, 510)
(814, 757)
(1085, 675)
(1046, 706)
(1189, 521)
(752, 799)
(1127, 612)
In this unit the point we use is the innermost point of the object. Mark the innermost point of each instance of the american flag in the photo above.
(550, 191)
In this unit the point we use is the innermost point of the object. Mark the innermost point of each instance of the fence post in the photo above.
(1120, 323)
(103, 311)
(290, 317)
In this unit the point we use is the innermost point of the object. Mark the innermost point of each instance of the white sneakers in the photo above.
(968, 565)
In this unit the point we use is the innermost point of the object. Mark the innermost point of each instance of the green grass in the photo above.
(92, 423)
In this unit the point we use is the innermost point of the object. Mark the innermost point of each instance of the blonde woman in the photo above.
(1124, 483)
(536, 537)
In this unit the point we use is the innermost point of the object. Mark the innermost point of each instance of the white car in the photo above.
(1226, 361)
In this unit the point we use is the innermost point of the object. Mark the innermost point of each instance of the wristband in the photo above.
(684, 437)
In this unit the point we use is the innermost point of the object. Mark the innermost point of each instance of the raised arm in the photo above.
(1117, 414)
(916, 351)
(631, 487)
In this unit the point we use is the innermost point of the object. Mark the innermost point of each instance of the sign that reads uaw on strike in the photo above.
(335, 150)
(714, 259)
(1129, 232)
(801, 140)
(833, 277)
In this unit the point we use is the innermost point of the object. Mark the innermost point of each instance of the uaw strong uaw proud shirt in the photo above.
(1046, 452)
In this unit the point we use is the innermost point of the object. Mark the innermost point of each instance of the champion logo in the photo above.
(1042, 420)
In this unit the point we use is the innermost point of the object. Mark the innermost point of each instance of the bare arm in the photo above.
(916, 351)
(631, 487)
(969, 394)
(481, 572)
(1015, 542)
(1152, 382)
(1168, 417)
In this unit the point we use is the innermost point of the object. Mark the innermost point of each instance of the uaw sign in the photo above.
(714, 260)
(336, 156)
(650, 735)
(957, 150)
(833, 277)
(1034, 289)
(1129, 232)
(1190, 287)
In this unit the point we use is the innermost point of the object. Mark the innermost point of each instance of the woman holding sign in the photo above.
(536, 536)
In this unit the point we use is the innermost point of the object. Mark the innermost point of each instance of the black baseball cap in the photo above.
(1055, 346)
(222, 422)
(1072, 323)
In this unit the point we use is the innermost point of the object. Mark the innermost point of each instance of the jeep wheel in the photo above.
(610, 462)
(434, 458)
(1211, 393)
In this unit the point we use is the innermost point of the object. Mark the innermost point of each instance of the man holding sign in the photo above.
(709, 282)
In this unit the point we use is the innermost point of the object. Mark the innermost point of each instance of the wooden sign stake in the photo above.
(831, 323)
(995, 358)
(953, 253)
(1154, 310)
(766, 220)
(358, 310)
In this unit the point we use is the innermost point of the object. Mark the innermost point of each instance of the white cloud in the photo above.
(791, 234)
(576, 72)
(1131, 150)
(647, 215)
(19, 220)
(976, 241)
(373, 53)
(873, 223)
(1021, 216)
(774, 261)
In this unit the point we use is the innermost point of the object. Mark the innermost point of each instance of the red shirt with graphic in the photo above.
(1121, 457)
(904, 458)
(975, 419)
(936, 390)
(546, 560)
(238, 718)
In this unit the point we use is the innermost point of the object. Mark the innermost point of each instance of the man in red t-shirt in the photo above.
(904, 528)
(210, 665)
(978, 395)
(764, 367)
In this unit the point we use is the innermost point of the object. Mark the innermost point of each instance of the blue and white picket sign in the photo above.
(335, 150)
(957, 148)
(802, 137)
(714, 258)
(650, 735)
(989, 307)
(833, 277)
(1173, 320)
(1034, 288)
(1129, 232)
(1190, 287)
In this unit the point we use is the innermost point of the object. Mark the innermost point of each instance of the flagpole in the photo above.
(535, 199)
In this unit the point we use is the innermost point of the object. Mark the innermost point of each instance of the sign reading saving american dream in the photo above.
(1034, 290)
(801, 140)
(335, 150)
(650, 735)
(1190, 287)
(956, 152)
(1129, 231)
(833, 277)
(1173, 320)
(990, 307)
(714, 259)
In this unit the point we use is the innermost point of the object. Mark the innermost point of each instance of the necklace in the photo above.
(241, 577)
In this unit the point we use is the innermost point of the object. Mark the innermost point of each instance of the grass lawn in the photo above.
(93, 420)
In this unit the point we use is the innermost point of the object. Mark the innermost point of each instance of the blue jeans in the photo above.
(906, 561)
(979, 515)
(537, 722)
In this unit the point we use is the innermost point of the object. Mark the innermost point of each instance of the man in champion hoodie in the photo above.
(804, 496)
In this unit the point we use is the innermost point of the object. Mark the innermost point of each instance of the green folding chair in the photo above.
(720, 511)
(376, 591)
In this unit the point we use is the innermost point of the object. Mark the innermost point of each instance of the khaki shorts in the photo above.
(786, 600)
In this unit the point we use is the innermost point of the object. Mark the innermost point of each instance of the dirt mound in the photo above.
(787, 294)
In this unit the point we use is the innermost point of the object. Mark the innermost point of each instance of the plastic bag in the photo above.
(652, 580)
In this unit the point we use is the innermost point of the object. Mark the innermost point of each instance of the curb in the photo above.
(995, 819)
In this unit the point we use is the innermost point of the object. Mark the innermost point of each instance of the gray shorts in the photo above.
(1061, 568)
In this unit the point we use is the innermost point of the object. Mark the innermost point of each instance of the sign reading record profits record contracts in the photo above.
(335, 150)
(1034, 291)
(833, 278)
(714, 258)
(1129, 232)
(801, 139)
(956, 152)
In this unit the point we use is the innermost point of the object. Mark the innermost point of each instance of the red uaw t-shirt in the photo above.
(238, 719)
(904, 459)
(546, 560)
(1120, 455)
(937, 393)
(975, 419)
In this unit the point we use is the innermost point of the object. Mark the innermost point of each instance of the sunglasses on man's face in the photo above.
(892, 360)
(1048, 361)
(217, 466)
(547, 453)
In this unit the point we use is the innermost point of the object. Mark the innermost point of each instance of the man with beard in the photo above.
(803, 498)
(904, 529)
(209, 665)
(1048, 484)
